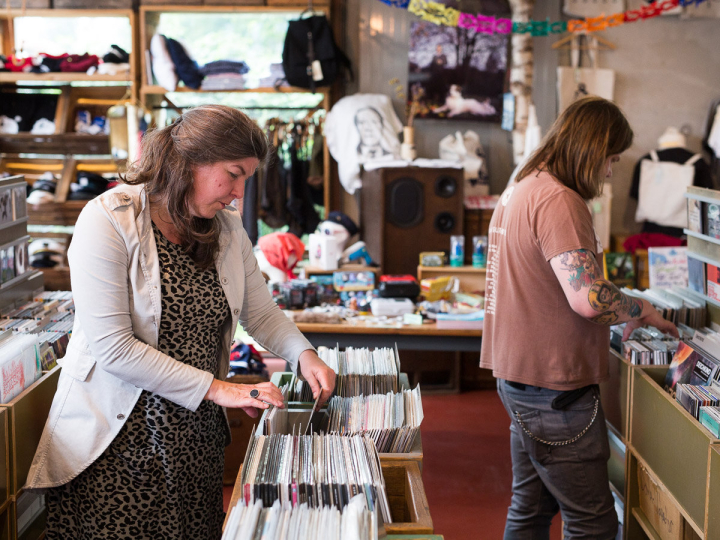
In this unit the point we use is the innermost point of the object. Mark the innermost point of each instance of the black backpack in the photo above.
(310, 41)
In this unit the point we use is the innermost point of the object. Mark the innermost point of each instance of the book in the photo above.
(668, 267)
(696, 275)
(694, 211)
(711, 219)
(713, 281)
(619, 269)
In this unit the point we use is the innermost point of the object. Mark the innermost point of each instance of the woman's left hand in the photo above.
(318, 375)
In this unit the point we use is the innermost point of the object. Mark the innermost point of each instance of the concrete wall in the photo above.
(667, 74)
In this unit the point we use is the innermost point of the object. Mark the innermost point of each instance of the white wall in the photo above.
(667, 74)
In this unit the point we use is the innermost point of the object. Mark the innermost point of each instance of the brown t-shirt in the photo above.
(531, 334)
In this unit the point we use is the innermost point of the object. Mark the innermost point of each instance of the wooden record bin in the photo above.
(406, 495)
(26, 417)
(416, 452)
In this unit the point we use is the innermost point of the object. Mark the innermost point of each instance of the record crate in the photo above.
(299, 407)
(678, 452)
(26, 417)
(406, 496)
(615, 394)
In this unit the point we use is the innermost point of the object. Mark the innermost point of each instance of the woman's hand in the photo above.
(237, 396)
(318, 374)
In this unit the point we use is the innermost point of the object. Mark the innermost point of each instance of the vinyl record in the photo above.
(21, 258)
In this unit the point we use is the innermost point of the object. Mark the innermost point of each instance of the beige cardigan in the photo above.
(112, 354)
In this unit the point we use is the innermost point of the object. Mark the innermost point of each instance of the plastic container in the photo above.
(457, 250)
(479, 253)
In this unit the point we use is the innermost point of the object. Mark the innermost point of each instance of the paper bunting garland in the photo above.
(440, 14)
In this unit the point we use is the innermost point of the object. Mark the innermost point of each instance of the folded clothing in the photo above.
(224, 66)
(43, 189)
(78, 63)
(224, 82)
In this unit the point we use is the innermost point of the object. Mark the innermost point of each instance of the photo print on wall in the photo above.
(458, 73)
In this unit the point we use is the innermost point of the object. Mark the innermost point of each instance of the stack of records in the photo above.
(300, 391)
(362, 371)
(648, 333)
(317, 470)
(391, 420)
(275, 420)
(693, 397)
(19, 364)
(285, 522)
(679, 305)
(649, 353)
(710, 418)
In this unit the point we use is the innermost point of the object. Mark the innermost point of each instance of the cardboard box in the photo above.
(659, 509)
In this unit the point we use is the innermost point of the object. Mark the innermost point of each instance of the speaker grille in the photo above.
(404, 202)
(445, 187)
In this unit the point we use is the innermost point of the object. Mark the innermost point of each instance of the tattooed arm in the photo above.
(593, 297)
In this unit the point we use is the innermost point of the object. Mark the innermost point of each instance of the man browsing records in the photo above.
(546, 333)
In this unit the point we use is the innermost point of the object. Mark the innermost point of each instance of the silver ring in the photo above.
(254, 393)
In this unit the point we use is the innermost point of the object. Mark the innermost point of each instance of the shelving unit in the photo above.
(703, 247)
(151, 94)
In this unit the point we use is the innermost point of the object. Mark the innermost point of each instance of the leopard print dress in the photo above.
(161, 477)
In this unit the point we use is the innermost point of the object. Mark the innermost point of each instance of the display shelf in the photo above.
(61, 77)
(65, 213)
(471, 278)
(160, 90)
(670, 442)
(57, 279)
(5, 495)
(61, 143)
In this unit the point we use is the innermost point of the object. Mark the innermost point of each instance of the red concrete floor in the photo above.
(466, 469)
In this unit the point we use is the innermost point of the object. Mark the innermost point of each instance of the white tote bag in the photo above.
(663, 185)
(576, 82)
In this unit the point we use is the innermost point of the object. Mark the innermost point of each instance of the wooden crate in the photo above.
(5, 520)
(4, 460)
(471, 279)
(406, 494)
(713, 502)
(93, 4)
(241, 426)
(234, 2)
(28, 517)
(615, 394)
(670, 442)
(27, 414)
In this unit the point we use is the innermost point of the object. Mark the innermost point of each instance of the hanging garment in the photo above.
(577, 82)
(250, 208)
(273, 203)
(662, 188)
(303, 217)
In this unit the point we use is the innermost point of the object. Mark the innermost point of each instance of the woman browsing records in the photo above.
(162, 272)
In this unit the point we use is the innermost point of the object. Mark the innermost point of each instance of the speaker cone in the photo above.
(404, 202)
(445, 187)
(444, 222)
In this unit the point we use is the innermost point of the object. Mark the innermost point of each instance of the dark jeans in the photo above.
(572, 478)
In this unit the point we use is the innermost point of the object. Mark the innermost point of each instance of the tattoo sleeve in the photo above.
(604, 297)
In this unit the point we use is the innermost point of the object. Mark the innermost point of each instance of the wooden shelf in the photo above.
(61, 143)
(56, 279)
(465, 269)
(62, 77)
(65, 213)
(291, 5)
(647, 527)
(11, 13)
(156, 89)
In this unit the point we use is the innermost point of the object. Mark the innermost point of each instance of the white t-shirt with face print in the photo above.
(360, 129)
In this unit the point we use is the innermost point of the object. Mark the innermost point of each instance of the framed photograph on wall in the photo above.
(457, 73)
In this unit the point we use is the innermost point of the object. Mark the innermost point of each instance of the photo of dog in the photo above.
(459, 73)
(456, 104)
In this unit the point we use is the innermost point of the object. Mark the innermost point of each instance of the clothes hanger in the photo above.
(307, 10)
(566, 42)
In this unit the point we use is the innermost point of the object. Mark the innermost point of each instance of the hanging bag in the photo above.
(576, 82)
(661, 196)
(310, 56)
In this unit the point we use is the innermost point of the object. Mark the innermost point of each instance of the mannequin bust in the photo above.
(672, 138)
(275, 275)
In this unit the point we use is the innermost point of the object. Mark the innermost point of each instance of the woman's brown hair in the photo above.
(575, 149)
(201, 136)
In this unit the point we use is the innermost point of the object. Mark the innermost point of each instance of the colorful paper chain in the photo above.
(440, 14)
